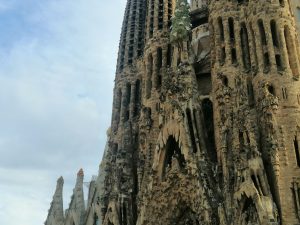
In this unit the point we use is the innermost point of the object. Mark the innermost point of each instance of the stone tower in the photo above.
(206, 118)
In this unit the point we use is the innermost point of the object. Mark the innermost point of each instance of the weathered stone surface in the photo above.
(205, 130)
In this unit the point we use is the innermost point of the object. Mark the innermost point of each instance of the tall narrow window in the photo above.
(191, 129)
(221, 29)
(159, 66)
(291, 51)
(137, 98)
(207, 109)
(169, 55)
(274, 33)
(231, 29)
(149, 76)
(245, 47)
(118, 105)
(126, 102)
(296, 148)
(262, 32)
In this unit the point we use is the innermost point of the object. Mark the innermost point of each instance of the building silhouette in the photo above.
(206, 119)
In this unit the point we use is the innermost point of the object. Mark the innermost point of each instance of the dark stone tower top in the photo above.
(159, 14)
(132, 35)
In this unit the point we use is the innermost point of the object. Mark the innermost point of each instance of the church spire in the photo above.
(56, 213)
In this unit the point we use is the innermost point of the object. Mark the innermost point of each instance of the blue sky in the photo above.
(57, 66)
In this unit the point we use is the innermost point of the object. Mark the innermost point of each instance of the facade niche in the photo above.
(208, 118)
(245, 47)
(173, 155)
(292, 57)
(191, 129)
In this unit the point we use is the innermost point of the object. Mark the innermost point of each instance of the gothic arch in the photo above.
(171, 142)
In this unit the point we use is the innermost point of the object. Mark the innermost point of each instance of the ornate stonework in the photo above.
(206, 127)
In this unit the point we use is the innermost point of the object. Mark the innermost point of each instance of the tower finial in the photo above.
(80, 173)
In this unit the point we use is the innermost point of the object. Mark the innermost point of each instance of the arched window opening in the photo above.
(159, 66)
(245, 47)
(137, 95)
(274, 33)
(297, 153)
(262, 32)
(96, 220)
(249, 214)
(169, 55)
(187, 217)
(208, 117)
(161, 14)
(149, 77)
(173, 154)
(221, 29)
(231, 30)
(271, 89)
(191, 129)
(292, 57)
(225, 81)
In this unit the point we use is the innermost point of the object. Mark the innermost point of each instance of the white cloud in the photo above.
(56, 85)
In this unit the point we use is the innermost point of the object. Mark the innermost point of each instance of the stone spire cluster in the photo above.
(205, 121)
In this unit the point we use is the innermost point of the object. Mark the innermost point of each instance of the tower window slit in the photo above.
(274, 33)
(245, 47)
(159, 66)
(127, 102)
(231, 30)
(149, 77)
(169, 55)
(262, 32)
(191, 129)
(221, 29)
(137, 98)
(208, 119)
(233, 56)
(296, 148)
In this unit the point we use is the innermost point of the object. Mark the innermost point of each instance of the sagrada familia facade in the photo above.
(206, 119)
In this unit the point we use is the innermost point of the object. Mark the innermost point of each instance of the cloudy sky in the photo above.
(57, 64)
